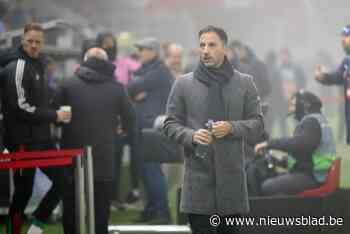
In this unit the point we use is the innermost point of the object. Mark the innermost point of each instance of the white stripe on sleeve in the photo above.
(19, 88)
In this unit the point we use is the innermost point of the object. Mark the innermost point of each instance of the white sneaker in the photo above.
(35, 230)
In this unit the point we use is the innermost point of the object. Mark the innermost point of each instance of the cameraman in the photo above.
(311, 149)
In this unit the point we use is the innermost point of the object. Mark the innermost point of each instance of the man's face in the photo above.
(108, 42)
(212, 49)
(174, 59)
(345, 40)
(146, 55)
(32, 43)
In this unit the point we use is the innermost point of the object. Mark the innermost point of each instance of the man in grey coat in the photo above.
(214, 178)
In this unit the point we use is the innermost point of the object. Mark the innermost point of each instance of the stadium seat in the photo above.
(331, 184)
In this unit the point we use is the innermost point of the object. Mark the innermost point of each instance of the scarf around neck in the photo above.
(214, 79)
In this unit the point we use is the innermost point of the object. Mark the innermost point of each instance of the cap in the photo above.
(149, 43)
(346, 30)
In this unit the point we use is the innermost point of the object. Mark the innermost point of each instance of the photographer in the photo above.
(311, 148)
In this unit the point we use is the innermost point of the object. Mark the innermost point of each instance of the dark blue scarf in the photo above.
(215, 79)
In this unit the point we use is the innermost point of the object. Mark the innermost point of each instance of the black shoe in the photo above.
(133, 196)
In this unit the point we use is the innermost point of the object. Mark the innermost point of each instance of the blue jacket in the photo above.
(341, 76)
(155, 79)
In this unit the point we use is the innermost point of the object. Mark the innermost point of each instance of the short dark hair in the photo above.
(219, 31)
(102, 36)
(33, 27)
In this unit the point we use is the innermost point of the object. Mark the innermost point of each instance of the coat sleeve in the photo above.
(303, 142)
(174, 124)
(335, 77)
(127, 113)
(18, 97)
(152, 80)
(251, 128)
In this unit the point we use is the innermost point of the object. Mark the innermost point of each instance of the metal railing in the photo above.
(84, 193)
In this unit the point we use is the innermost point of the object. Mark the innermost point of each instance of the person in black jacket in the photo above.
(149, 90)
(253, 66)
(97, 102)
(108, 43)
(340, 76)
(311, 149)
(245, 60)
(27, 116)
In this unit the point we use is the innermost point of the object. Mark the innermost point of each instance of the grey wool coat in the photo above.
(216, 184)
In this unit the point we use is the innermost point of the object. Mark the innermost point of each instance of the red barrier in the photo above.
(47, 158)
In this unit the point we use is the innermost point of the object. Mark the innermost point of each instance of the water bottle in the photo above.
(202, 150)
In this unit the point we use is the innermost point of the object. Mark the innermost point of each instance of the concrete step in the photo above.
(143, 229)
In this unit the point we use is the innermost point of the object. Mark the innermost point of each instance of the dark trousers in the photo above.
(135, 164)
(200, 224)
(24, 180)
(263, 181)
(288, 184)
(156, 190)
(157, 149)
(102, 199)
(133, 140)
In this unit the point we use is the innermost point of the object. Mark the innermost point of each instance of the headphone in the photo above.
(306, 102)
(302, 100)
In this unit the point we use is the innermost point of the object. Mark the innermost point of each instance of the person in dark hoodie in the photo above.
(107, 42)
(96, 100)
(311, 149)
(27, 116)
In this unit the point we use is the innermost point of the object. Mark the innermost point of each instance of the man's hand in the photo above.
(221, 129)
(259, 148)
(140, 96)
(64, 116)
(202, 136)
(119, 130)
(319, 72)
